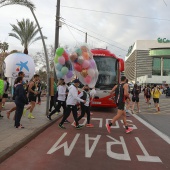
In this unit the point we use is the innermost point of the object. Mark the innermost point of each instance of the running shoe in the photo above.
(61, 126)
(129, 130)
(56, 113)
(74, 124)
(79, 126)
(90, 125)
(49, 117)
(108, 127)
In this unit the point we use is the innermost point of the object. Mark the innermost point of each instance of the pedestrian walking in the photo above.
(20, 101)
(5, 95)
(39, 89)
(1, 94)
(52, 99)
(148, 95)
(85, 107)
(71, 101)
(61, 99)
(20, 74)
(121, 92)
(156, 93)
(135, 98)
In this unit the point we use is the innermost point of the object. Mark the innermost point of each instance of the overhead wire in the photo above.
(114, 13)
(96, 38)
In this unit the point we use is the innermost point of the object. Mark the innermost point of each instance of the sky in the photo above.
(112, 31)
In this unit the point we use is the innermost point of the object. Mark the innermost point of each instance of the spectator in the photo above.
(5, 95)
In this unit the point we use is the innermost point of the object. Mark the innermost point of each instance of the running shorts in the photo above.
(135, 99)
(121, 106)
(156, 100)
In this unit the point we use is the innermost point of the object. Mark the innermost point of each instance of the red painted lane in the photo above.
(34, 155)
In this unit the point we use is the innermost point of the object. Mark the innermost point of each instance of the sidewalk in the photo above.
(12, 139)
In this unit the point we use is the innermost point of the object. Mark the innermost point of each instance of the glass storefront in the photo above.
(166, 66)
(156, 67)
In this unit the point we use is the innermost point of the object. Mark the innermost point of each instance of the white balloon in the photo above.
(91, 72)
(16, 62)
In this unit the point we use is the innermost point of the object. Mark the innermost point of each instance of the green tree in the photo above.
(4, 47)
(26, 32)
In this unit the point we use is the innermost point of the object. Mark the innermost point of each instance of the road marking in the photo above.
(119, 156)
(159, 133)
(146, 157)
(89, 151)
(67, 150)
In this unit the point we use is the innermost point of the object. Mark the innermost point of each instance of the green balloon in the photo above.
(79, 52)
(60, 51)
(64, 70)
(56, 59)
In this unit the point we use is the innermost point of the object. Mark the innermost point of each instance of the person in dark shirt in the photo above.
(20, 101)
(135, 97)
(39, 92)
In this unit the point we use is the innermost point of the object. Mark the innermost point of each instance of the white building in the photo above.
(148, 62)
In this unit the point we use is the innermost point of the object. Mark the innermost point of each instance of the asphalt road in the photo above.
(93, 148)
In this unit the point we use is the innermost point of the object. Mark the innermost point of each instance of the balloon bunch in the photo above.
(85, 66)
(63, 66)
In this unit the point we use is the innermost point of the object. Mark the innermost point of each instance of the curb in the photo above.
(14, 148)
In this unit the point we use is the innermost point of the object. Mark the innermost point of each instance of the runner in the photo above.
(121, 91)
(85, 107)
(127, 106)
(32, 95)
(5, 95)
(72, 100)
(156, 95)
(135, 98)
(39, 92)
(1, 93)
(148, 95)
(144, 88)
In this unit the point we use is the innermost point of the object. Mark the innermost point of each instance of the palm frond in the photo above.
(15, 35)
(26, 3)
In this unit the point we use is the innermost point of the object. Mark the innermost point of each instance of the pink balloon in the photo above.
(61, 60)
(77, 67)
(92, 63)
(86, 64)
(87, 79)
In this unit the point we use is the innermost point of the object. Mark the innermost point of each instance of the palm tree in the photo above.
(25, 31)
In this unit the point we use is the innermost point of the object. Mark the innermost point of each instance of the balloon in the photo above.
(91, 72)
(68, 65)
(56, 59)
(86, 64)
(59, 67)
(60, 51)
(69, 74)
(73, 57)
(61, 60)
(64, 70)
(77, 67)
(85, 55)
(92, 63)
(79, 52)
(84, 73)
(80, 60)
(59, 75)
(65, 55)
(87, 79)
(84, 48)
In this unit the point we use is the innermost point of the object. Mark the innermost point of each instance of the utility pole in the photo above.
(57, 25)
(86, 38)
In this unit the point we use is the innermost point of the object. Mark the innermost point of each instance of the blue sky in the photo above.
(118, 30)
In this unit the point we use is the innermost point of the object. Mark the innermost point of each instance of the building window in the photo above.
(156, 67)
(166, 67)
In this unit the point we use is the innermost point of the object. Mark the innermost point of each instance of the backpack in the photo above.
(147, 91)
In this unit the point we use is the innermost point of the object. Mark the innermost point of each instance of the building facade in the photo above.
(148, 62)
